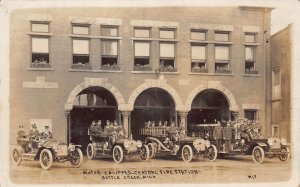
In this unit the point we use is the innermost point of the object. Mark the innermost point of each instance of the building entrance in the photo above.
(208, 107)
(154, 105)
(91, 104)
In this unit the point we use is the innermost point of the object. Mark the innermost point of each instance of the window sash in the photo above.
(81, 47)
(109, 48)
(222, 53)
(40, 45)
(142, 33)
(224, 37)
(81, 30)
(250, 38)
(141, 49)
(198, 52)
(167, 50)
(167, 34)
(40, 27)
(249, 53)
(109, 31)
(198, 35)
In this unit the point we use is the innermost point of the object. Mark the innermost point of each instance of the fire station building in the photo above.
(188, 65)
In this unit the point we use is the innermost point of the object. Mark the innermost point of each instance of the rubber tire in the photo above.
(80, 158)
(190, 152)
(49, 154)
(215, 153)
(120, 151)
(93, 153)
(152, 150)
(287, 157)
(147, 153)
(261, 152)
(19, 151)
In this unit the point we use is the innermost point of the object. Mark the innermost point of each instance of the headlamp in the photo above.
(71, 147)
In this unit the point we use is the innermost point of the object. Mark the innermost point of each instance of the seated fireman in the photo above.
(46, 134)
(21, 134)
(244, 128)
(96, 128)
(33, 133)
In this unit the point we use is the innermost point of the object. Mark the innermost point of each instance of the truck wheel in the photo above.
(212, 153)
(152, 150)
(118, 154)
(145, 153)
(187, 153)
(285, 158)
(17, 153)
(46, 159)
(90, 151)
(76, 157)
(258, 155)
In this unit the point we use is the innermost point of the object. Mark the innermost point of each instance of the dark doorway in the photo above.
(93, 103)
(153, 104)
(209, 107)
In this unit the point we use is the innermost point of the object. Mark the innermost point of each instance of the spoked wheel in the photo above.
(258, 155)
(46, 159)
(145, 153)
(285, 157)
(118, 154)
(76, 157)
(187, 153)
(17, 152)
(212, 153)
(90, 151)
(152, 150)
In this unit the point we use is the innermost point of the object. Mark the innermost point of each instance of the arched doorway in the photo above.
(153, 104)
(92, 103)
(209, 107)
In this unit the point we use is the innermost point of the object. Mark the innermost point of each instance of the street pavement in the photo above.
(239, 169)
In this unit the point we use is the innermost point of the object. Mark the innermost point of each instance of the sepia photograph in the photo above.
(149, 92)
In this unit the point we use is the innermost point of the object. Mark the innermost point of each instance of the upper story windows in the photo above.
(167, 48)
(81, 29)
(250, 53)
(222, 36)
(167, 33)
(222, 52)
(142, 32)
(198, 35)
(111, 31)
(142, 46)
(40, 45)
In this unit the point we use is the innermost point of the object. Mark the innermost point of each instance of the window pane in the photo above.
(250, 114)
(167, 50)
(167, 34)
(250, 38)
(142, 33)
(80, 30)
(224, 37)
(40, 45)
(109, 48)
(222, 53)
(109, 31)
(197, 35)
(39, 27)
(198, 52)
(249, 53)
(81, 46)
(276, 77)
(141, 49)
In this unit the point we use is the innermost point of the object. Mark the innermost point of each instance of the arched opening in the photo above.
(93, 103)
(153, 104)
(209, 107)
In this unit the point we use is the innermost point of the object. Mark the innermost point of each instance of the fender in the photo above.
(157, 141)
(262, 144)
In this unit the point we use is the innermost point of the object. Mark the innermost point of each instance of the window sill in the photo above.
(170, 73)
(251, 75)
(107, 71)
(39, 34)
(40, 69)
(222, 43)
(252, 44)
(211, 74)
(143, 72)
(79, 70)
(200, 41)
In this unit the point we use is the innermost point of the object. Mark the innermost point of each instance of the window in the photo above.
(221, 59)
(80, 29)
(142, 32)
(109, 52)
(167, 34)
(251, 114)
(142, 56)
(276, 77)
(40, 50)
(109, 31)
(221, 36)
(198, 58)
(276, 86)
(81, 51)
(198, 35)
(250, 54)
(40, 27)
(275, 131)
(167, 56)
